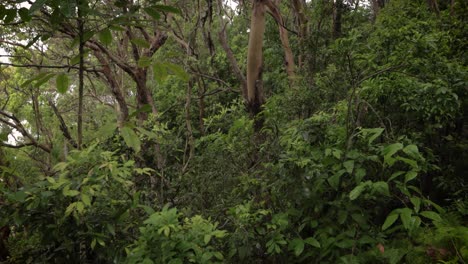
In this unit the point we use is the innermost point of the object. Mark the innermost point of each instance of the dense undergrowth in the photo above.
(363, 162)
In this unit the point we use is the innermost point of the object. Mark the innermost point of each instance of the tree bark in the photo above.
(288, 54)
(255, 96)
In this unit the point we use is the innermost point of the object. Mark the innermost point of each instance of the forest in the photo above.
(234, 131)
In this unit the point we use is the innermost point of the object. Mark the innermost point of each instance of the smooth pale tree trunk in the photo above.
(255, 95)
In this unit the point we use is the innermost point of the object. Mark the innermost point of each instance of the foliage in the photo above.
(359, 157)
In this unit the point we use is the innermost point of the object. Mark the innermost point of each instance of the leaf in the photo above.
(144, 62)
(313, 242)
(166, 8)
(389, 221)
(297, 245)
(431, 215)
(416, 201)
(207, 239)
(390, 150)
(159, 72)
(105, 36)
(10, 15)
(412, 151)
(140, 42)
(111, 229)
(86, 200)
(131, 138)
(349, 166)
(152, 12)
(376, 133)
(177, 71)
(62, 83)
(79, 207)
(93, 244)
(356, 192)
(381, 187)
(70, 209)
(24, 14)
(70, 193)
(405, 216)
(410, 175)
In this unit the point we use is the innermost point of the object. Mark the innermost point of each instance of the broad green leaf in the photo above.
(412, 151)
(10, 15)
(431, 215)
(354, 194)
(86, 200)
(62, 83)
(405, 216)
(105, 36)
(70, 209)
(297, 245)
(349, 166)
(389, 221)
(381, 187)
(207, 239)
(410, 175)
(313, 242)
(376, 132)
(131, 138)
(79, 207)
(70, 193)
(24, 14)
(152, 12)
(140, 42)
(390, 150)
(416, 201)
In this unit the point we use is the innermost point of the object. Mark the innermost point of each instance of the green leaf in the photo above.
(376, 132)
(416, 201)
(389, 221)
(412, 151)
(152, 12)
(62, 83)
(410, 175)
(207, 239)
(70, 209)
(140, 42)
(381, 187)
(93, 244)
(131, 138)
(24, 14)
(105, 36)
(297, 245)
(166, 8)
(86, 200)
(390, 150)
(70, 193)
(177, 71)
(159, 72)
(313, 242)
(356, 192)
(431, 215)
(405, 216)
(144, 62)
(79, 207)
(349, 166)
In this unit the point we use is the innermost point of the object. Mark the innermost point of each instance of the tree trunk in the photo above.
(337, 13)
(288, 54)
(255, 97)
